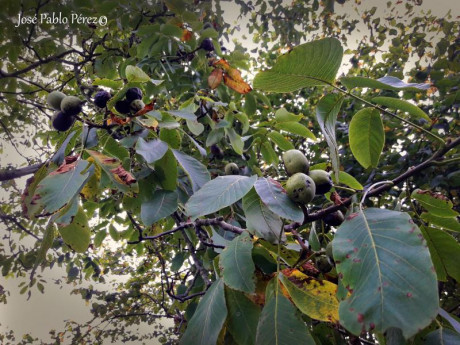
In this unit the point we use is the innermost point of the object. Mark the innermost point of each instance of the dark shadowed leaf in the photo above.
(161, 205)
(208, 319)
(237, 265)
(151, 150)
(385, 264)
(442, 336)
(196, 171)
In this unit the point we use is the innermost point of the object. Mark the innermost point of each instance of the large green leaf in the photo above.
(384, 263)
(196, 171)
(435, 203)
(152, 150)
(348, 180)
(366, 137)
(310, 64)
(442, 336)
(208, 319)
(135, 74)
(281, 141)
(384, 83)
(166, 171)
(451, 224)
(267, 224)
(282, 115)
(218, 193)
(161, 205)
(326, 113)
(243, 316)
(445, 251)
(77, 234)
(237, 265)
(59, 187)
(279, 323)
(400, 104)
(276, 199)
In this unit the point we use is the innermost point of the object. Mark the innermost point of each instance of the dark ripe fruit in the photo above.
(323, 264)
(101, 98)
(207, 45)
(341, 2)
(295, 162)
(334, 219)
(323, 181)
(133, 93)
(300, 188)
(232, 169)
(71, 105)
(137, 105)
(62, 121)
(123, 106)
(217, 152)
(54, 99)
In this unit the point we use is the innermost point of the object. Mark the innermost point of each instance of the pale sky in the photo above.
(44, 312)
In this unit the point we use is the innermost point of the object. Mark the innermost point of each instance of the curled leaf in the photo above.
(215, 78)
(123, 176)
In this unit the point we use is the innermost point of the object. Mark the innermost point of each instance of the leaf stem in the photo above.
(348, 93)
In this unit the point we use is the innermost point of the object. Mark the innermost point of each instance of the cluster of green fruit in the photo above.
(132, 101)
(304, 184)
(67, 107)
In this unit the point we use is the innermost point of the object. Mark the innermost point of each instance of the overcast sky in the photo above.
(44, 312)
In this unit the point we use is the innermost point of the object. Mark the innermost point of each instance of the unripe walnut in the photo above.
(232, 169)
(295, 162)
(71, 105)
(54, 99)
(137, 105)
(300, 188)
(323, 181)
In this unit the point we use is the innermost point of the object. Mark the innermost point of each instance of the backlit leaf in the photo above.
(77, 235)
(384, 83)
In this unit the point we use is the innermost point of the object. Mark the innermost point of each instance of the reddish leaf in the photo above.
(123, 176)
(69, 164)
(186, 35)
(215, 78)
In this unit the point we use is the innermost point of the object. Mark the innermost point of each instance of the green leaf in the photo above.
(218, 193)
(400, 104)
(435, 203)
(196, 171)
(183, 114)
(451, 224)
(289, 256)
(250, 105)
(310, 64)
(326, 113)
(237, 265)
(384, 83)
(445, 251)
(135, 74)
(267, 224)
(282, 115)
(166, 171)
(113, 232)
(313, 297)
(296, 128)
(442, 336)
(208, 319)
(152, 150)
(58, 188)
(30, 208)
(46, 243)
(77, 234)
(195, 127)
(243, 316)
(313, 239)
(386, 266)
(161, 205)
(275, 198)
(113, 84)
(279, 323)
(268, 154)
(366, 137)
(243, 118)
(348, 180)
(281, 141)
(235, 140)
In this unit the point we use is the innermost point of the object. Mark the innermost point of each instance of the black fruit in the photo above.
(334, 219)
(323, 181)
(61, 121)
(123, 107)
(101, 98)
(217, 152)
(54, 99)
(71, 105)
(232, 169)
(137, 105)
(133, 93)
(207, 45)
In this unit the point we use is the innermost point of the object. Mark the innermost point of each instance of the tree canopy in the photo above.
(292, 179)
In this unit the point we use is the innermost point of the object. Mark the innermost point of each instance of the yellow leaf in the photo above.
(91, 188)
(315, 298)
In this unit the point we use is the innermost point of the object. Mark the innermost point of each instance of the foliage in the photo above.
(231, 259)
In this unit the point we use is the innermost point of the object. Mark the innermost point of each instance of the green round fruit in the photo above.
(323, 181)
(295, 162)
(61, 121)
(54, 99)
(137, 105)
(232, 169)
(334, 219)
(300, 188)
(71, 105)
